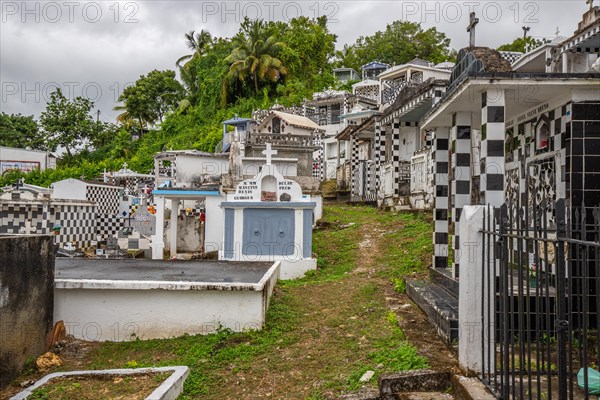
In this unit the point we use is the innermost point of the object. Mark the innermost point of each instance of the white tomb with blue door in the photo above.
(269, 219)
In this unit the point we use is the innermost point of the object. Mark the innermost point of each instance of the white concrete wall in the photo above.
(213, 227)
(192, 167)
(287, 167)
(73, 189)
(189, 236)
(116, 310)
(8, 154)
(115, 315)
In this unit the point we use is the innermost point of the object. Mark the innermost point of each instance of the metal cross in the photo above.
(269, 153)
(525, 30)
(557, 31)
(471, 29)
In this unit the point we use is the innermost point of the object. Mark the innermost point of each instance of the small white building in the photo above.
(25, 160)
(105, 195)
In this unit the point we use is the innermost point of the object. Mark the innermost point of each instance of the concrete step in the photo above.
(443, 277)
(439, 304)
(425, 396)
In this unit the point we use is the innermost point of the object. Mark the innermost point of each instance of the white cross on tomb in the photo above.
(269, 153)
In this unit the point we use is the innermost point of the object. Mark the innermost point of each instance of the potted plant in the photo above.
(56, 229)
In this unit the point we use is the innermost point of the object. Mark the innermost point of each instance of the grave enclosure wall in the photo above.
(26, 300)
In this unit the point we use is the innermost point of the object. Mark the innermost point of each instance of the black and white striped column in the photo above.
(379, 150)
(493, 132)
(441, 203)
(460, 188)
(396, 154)
(354, 166)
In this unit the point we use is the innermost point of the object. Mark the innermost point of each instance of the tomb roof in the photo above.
(491, 58)
(292, 119)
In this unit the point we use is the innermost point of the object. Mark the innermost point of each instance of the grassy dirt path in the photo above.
(323, 331)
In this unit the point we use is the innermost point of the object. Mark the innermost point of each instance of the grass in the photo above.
(322, 332)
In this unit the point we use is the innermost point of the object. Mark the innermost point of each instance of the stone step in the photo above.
(443, 278)
(425, 396)
(439, 304)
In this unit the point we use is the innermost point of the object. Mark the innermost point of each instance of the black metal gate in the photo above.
(540, 307)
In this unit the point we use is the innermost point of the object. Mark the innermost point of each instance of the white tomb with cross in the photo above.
(269, 219)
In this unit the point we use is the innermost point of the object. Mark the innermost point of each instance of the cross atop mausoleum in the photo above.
(471, 29)
(269, 153)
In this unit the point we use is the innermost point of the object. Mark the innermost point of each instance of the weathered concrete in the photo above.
(170, 389)
(413, 381)
(120, 300)
(156, 270)
(26, 299)
(470, 389)
(471, 291)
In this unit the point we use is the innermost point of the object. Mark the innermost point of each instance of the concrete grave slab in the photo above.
(170, 389)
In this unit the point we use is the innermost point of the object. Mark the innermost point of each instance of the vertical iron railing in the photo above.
(540, 309)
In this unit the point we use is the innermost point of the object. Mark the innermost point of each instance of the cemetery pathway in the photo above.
(323, 332)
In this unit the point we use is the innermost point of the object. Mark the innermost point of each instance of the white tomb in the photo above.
(269, 219)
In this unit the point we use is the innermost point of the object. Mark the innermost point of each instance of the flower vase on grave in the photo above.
(533, 282)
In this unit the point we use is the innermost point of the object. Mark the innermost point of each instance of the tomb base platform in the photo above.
(293, 269)
(121, 300)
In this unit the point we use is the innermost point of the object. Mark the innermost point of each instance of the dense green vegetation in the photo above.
(220, 77)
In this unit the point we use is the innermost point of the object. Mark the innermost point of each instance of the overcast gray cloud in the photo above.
(94, 48)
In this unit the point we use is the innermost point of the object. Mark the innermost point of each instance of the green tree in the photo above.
(308, 51)
(521, 44)
(401, 42)
(255, 54)
(150, 98)
(198, 42)
(21, 131)
(67, 123)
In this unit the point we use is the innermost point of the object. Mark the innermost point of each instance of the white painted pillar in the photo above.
(174, 219)
(474, 327)
(158, 240)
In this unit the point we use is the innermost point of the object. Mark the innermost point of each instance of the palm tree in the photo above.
(255, 54)
(198, 42)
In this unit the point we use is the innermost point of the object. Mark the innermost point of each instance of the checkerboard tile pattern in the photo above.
(78, 224)
(106, 198)
(460, 187)
(441, 205)
(108, 225)
(379, 150)
(354, 161)
(511, 56)
(493, 133)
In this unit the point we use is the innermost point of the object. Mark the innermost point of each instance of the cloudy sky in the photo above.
(95, 48)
